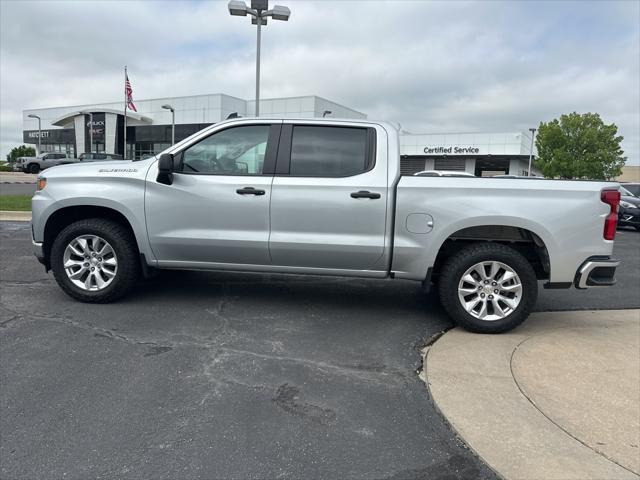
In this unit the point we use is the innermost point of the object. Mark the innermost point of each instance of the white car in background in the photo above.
(443, 173)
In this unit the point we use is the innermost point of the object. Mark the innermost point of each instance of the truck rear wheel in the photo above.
(488, 288)
(95, 260)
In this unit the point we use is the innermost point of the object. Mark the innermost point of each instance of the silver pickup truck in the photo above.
(40, 162)
(322, 197)
(52, 159)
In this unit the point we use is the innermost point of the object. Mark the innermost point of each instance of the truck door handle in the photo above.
(249, 191)
(364, 194)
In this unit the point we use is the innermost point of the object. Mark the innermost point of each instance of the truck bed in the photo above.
(567, 216)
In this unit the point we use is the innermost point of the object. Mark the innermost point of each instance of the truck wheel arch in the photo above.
(64, 216)
(523, 240)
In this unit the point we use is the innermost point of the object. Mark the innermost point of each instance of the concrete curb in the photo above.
(11, 216)
(558, 398)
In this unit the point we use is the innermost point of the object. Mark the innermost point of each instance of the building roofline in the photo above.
(60, 121)
(309, 96)
(198, 95)
(135, 100)
(467, 133)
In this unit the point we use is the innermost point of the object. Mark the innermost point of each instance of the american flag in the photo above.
(129, 93)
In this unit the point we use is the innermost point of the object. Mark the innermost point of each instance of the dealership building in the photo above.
(72, 129)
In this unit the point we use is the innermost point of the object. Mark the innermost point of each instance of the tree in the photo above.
(21, 151)
(579, 146)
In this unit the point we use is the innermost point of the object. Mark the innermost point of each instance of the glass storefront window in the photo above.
(67, 148)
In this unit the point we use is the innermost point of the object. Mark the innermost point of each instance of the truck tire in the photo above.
(488, 288)
(95, 260)
(33, 168)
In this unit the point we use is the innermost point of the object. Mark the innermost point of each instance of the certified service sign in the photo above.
(454, 149)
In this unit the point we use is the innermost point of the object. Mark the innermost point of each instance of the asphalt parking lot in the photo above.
(222, 375)
(17, 188)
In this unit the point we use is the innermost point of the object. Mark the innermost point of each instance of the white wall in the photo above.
(79, 127)
(109, 132)
(300, 107)
(509, 143)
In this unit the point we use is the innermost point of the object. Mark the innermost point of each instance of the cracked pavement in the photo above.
(220, 375)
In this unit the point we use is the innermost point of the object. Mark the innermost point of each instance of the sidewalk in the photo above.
(558, 398)
(10, 216)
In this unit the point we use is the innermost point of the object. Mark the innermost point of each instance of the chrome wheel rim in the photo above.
(90, 262)
(490, 290)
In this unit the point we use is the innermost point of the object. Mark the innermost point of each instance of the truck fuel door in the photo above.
(419, 223)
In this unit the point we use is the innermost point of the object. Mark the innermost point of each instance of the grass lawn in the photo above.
(15, 203)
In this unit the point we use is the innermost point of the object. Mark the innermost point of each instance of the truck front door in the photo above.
(216, 211)
(329, 198)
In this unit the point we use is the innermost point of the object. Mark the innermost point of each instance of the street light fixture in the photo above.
(533, 134)
(173, 122)
(31, 115)
(259, 12)
(326, 112)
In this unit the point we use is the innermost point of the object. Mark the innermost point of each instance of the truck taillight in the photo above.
(611, 198)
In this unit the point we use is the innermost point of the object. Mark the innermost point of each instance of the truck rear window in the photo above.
(318, 151)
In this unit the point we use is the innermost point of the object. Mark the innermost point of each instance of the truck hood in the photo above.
(99, 169)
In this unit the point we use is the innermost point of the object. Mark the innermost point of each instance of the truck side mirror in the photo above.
(165, 169)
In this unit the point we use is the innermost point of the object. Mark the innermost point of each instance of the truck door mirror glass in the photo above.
(165, 169)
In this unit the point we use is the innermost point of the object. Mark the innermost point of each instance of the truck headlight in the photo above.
(41, 183)
(626, 204)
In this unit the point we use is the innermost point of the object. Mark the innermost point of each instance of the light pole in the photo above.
(173, 122)
(533, 134)
(31, 115)
(259, 12)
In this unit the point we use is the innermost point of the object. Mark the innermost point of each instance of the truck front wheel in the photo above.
(33, 168)
(488, 288)
(95, 260)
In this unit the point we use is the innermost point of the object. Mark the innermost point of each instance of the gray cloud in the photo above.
(432, 66)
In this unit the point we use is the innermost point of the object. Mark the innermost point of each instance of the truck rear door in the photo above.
(328, 198)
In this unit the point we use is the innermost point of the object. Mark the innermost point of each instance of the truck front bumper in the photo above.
(38, 250)
(596, 272)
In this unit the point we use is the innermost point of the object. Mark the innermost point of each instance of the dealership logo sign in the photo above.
(36, 134)
(451, 150)
(97, 123)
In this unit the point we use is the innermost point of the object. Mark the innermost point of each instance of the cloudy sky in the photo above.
(430, 66)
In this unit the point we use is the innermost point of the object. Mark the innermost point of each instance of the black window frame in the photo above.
(270, 154)
(283, 162)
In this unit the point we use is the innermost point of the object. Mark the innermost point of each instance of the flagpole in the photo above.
(125, 114)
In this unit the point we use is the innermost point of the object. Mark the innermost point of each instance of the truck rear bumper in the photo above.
(596, 272)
